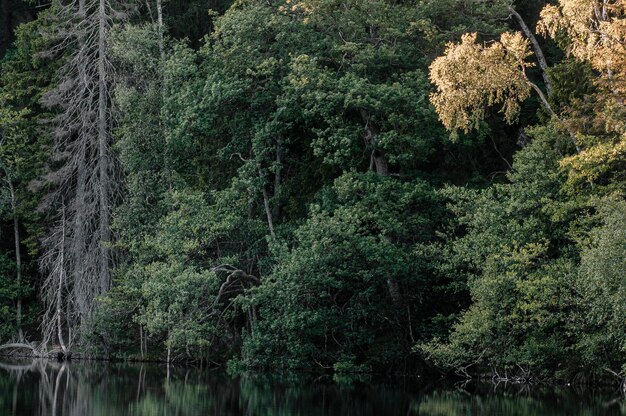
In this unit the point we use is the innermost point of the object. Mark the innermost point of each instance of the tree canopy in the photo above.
(347, 186)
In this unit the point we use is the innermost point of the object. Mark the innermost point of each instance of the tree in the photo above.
(12, 14)
(517, 247)
(76, 256)
(24, 141)
(600, 282)
(326, 303)
(243, 135)
(595, 34)
(470, 77)
(8, 122)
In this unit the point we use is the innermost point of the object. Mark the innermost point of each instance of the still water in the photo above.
(47, 388)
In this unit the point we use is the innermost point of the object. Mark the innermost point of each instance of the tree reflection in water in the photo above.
(49, 388)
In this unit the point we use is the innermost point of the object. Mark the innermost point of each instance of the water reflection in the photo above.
(47, 388)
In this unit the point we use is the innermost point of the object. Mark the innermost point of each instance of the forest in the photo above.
(351, 186)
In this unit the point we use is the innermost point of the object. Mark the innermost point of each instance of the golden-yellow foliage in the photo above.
(596, 33)
(471, 77)
(596, 30)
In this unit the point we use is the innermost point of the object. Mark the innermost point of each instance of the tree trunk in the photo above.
(379, 161)
(268, 212)
(59, 294)
(79, 242)
(18, 260)
(541, 58)
(277, 180)
(166, 151)
(103, 157)
(546, 105)
(160, 26)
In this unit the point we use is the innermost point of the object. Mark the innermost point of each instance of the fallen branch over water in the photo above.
(33, 351)
(18, 346)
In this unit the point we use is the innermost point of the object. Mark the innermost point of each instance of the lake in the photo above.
(98, 388)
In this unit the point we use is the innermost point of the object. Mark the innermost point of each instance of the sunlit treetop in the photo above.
(472, 76)
(596, 32)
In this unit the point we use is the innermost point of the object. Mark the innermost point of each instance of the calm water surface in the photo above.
(88, 388)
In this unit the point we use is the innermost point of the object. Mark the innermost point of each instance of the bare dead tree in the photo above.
(55, 286)
(76, 258)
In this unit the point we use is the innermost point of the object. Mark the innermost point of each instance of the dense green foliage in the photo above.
(23, 141)
(291, 198)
